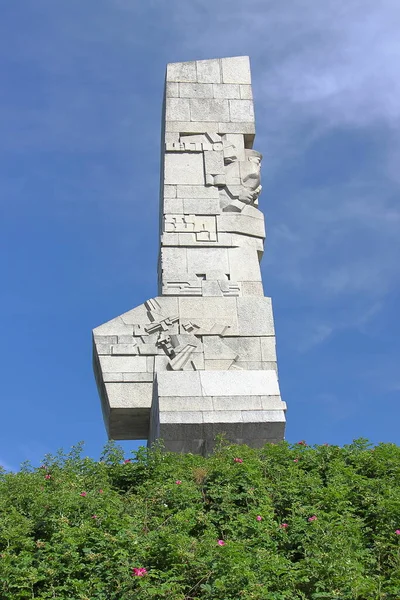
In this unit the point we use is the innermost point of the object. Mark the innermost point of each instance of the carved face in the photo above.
(251, 170)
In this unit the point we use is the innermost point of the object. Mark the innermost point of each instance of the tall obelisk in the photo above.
(199, 359)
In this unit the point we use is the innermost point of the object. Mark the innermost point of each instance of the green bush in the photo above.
(284, 522)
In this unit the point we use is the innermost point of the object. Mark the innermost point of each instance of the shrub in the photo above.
(285, 522)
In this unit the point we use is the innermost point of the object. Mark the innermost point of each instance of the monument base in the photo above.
(245, 406)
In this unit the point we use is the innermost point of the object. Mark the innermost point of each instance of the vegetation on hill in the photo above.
(284, 522)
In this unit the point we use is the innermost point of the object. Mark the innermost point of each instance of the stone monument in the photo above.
(199, 359)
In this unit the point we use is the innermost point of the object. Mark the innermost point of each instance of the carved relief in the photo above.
(239, 179)
(204, 227)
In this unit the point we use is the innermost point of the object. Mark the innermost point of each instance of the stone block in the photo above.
(139, 377)
(236, 70)
(179, 383)
(173, 262)
(181, 417)
(272, 403)
(126, 339)
(191, 127)
(215, 348)
(222, 416)
(252, 288)
(171, 137)
(246, 128)
(220, 310)
(161, 363)
(211, 288)
(136, 316)
(268, 348)
(128, 423)
(112, 377)
(246, 93)
(123, 364)
(241, 111)
(188, 445)
(197, 191)
(237, 403)
(239, 383)
(125, 349)
(263, 416)
(197, 361)
(226, 90)
(244, 264)
(238, 223)
(207, 109)
(195, 90)
(171, 90)
(215, 259)
(114, 327)
(208, 71)
(217, 364)
(232, 430)
(173, 206)
(201, 206)
(187, 404)
(169, 191)
(184, 168)
(255, 317)
(244, 348)
(255, 365)
(177, 109)
(103, 349)
(173, 431)
(105, 339)
(129, 395)
(182, 71)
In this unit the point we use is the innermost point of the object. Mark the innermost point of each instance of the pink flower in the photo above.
(259, 518)
(313, 518)
(295, 460)
(178, 482)
(95, 517)
(47, 476)
(238, 460)
(301, 443)
(100, 491)
(83, 494)
(126, 461)
(283, 525)
(139, 572)
(397, 532)
(221, 543)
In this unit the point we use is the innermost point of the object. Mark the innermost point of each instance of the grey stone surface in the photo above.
(241, 110)
(236, 70)
(123, 364)
(239, 383)
(195, 90)
(200, 359)
(208, 71)
(177, 109)
(205, 110)
(227, 91)
(185, 71)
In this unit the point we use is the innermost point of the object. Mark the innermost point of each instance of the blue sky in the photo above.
(80, 112)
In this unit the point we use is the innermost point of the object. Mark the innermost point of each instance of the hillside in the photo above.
(285, 522)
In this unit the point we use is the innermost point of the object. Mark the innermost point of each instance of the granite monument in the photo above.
(199, 359)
